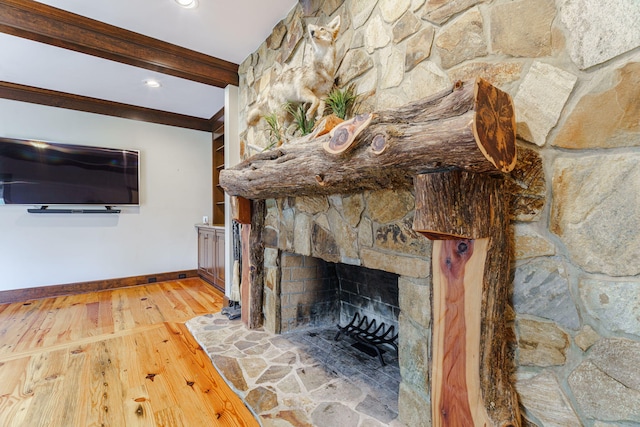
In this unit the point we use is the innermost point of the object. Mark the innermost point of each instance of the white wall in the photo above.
(156, 237)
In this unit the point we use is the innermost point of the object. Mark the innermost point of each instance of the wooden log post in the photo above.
(466, 214)
(252, 285)
(470, 126)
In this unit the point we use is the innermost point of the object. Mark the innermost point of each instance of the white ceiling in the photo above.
(225, 29)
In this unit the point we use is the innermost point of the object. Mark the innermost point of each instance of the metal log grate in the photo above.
(369, 334)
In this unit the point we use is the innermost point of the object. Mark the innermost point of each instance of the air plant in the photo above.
(304, 125)
(275, 131)
(342, 101)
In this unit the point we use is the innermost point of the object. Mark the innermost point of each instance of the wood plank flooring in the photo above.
(116, 358)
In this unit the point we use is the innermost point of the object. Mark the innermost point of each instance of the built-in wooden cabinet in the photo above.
(218, 165)
(211, 255)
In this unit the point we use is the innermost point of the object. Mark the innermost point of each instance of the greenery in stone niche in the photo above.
(275, 131)
(341, 102)
(299, 113)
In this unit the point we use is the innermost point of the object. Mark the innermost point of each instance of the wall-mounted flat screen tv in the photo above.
(44, 173)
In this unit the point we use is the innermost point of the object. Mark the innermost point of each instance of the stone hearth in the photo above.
(301, 378)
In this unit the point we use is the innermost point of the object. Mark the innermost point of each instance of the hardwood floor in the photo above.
(113, 358)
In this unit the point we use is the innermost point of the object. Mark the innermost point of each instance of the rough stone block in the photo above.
(595, 211)
(616, 305)
(599, 30)
(540, 100)
(606, 117)
(522, 28)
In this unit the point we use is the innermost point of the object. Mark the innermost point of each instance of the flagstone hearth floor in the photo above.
(302, 378)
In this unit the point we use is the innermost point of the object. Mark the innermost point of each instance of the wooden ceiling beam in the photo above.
(54, 98)
(43, 23)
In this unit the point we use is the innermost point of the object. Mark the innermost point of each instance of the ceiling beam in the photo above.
(54, 98)
(40, 22)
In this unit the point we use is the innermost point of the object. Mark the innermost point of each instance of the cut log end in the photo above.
(379, 144)
(494, 125)
(344, 135)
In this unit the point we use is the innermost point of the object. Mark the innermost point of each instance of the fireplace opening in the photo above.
(316, 297)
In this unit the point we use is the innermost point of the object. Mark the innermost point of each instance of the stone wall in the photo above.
(573, 70)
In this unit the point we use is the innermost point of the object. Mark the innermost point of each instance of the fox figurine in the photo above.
(306, 84)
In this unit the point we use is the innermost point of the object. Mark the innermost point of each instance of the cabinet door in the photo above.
(206, 253)
(219, 258)
(202, 251)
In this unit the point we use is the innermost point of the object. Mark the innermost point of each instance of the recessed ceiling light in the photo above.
(152, 83)
(189, 4)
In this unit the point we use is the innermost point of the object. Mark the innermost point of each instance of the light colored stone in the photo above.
(262, 399)
(540, 100)
(312, 204)
(355, 63)
(375, 36)
(543, 397)
(541, 344)
(330, 6)
(424, 80)
(439, 11)
(391, 10)
(418, 47)
(413, 352)
(618, 358)
(271, 257)
(586, 337)
(389, 98)
(385, 206)
(530, 244)
(331, 414)
(289, 385)
(541, 288)
(365, 233)
(402, 265)
(416, 4)
(414, 407)
(338, 390)
(616, 305)
(596, 200)
(345, 236)
(352, 208)
(498, 74)
(415, 300)
(361, 11)
(462, 39)
(599, 30)
(274, 41)
(405, 27)
(601, 397)
(522, 28)
(302, 234)
(607, 117)
(323, 221)
(393, 67)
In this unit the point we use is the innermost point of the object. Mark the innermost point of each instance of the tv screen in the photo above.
(44, 173)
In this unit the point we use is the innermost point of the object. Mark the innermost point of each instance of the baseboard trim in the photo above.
(20, 295)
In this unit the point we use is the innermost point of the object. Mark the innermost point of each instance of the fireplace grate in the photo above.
(369, 334)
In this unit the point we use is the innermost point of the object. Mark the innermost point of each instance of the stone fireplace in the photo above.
(328, 256)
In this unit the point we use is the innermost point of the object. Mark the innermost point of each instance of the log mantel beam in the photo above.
(470, 126)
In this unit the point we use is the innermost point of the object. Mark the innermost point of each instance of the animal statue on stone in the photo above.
(307, 84)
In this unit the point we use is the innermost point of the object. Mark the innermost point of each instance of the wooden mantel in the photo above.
(455, 148)
(470, 126)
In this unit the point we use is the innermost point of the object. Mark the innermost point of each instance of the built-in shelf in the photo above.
(218, 165)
